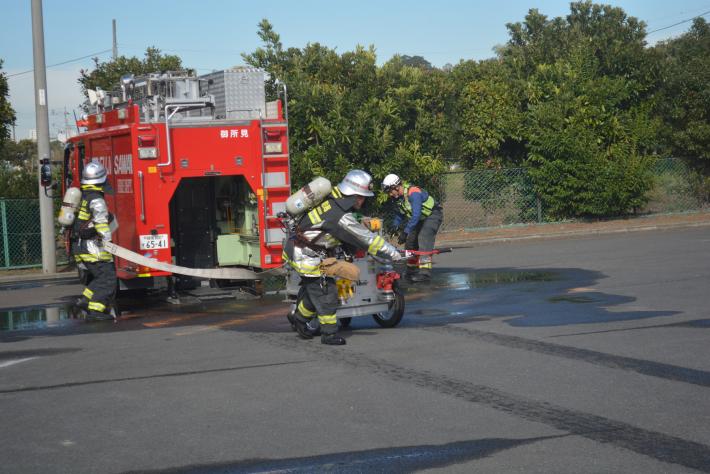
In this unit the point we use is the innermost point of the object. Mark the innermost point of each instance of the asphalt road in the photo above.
(570, 355)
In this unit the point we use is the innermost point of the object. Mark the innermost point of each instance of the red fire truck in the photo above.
(199, 168)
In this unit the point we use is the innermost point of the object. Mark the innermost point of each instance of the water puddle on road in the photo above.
(154, 311)
(34, 318)
(467, 281)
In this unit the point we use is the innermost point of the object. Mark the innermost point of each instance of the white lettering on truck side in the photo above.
(123, 164)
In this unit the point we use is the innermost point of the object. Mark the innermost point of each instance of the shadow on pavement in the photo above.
(401, 459)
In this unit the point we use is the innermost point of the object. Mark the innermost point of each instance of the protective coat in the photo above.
(327, 226)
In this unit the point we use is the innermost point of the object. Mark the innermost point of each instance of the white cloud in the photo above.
(62, 91)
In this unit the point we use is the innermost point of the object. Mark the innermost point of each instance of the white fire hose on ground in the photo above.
(210, 273)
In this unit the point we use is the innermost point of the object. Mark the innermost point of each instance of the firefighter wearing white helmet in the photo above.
(421, 216)
(91, 229)
(318, 233)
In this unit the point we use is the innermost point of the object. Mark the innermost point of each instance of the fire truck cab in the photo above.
(199, 168)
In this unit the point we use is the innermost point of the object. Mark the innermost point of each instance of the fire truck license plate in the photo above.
(150, 242)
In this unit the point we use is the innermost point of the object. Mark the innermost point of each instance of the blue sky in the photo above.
(211, 34)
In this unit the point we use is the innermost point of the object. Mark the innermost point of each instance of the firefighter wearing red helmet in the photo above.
(91, 229)
(318, 233)
(421, 216)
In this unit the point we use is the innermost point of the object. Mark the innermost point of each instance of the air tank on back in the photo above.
(308, 196)
(70, 204)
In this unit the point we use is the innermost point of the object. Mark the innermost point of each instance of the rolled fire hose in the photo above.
(212, 273)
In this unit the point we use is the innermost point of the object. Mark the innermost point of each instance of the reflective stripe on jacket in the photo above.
(406, 207)
(415, 205)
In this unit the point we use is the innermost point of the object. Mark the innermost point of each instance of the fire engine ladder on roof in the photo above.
(276, 184)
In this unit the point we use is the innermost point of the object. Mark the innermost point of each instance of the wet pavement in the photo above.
(453, 295)
(587, 355)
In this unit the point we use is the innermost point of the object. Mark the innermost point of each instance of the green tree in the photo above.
(489, 115)
(346, 112)
(589, 142)
(416, 61)
(22, 154)
(684, 97)
(107, 74)
(17, 182)
(7, 114)
(614, 38)
(587, 83)
(19, 167)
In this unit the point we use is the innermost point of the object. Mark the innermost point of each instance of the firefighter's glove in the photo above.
(372, 223)
(402, 238)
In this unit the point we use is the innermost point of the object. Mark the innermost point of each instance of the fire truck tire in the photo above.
(392, 317)
(345, 322)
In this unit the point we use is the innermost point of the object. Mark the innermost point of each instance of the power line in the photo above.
(63, 62)
(676, 15)
(679, 23)
(170, 50)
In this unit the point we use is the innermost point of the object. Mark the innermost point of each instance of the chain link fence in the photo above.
(677, 188)
(487, 198)
(21, 235)
(498, 197)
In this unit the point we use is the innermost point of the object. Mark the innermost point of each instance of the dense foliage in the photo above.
(684, 95)
(19, 168)
(588, 130)
(346, 112)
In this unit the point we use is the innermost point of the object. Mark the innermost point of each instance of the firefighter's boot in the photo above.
(301, 325)
(291, 320)
(80, 306)
(332, 339)
(313, 326)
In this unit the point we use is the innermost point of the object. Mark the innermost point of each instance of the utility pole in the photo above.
(67, 128)
(115, 45)
(46, 212)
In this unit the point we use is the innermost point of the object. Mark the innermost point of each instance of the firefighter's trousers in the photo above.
(101, 290)
(318, 300)
(422, 238)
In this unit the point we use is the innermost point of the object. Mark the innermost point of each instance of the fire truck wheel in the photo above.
(345, 322)
(392, 317)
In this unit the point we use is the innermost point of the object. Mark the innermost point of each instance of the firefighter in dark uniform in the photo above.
(91, 229)
(422, 216)
(318, 233)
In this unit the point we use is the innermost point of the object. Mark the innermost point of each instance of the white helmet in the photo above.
(94, 173)
(356, 182)
(390, 181)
